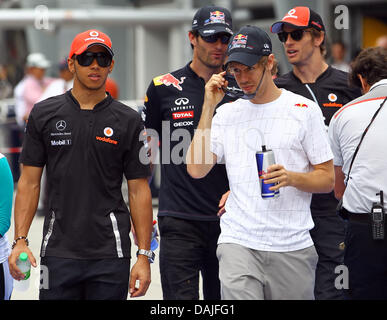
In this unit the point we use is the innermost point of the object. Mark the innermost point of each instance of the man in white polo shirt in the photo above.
(265, 250)
(361, 177)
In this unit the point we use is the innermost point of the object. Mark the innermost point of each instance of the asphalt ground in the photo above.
(35, 237)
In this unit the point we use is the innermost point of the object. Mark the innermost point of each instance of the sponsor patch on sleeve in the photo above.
(167, 80)
(301, 105)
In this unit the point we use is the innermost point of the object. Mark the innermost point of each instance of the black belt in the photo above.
(357, 217)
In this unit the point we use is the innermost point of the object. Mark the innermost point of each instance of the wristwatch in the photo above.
(150, 254)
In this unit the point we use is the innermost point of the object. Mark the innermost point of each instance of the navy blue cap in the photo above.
(211, 19)
(248, 46)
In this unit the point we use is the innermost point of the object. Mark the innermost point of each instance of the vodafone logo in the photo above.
(332, 97)
(108, 132)
(183, 115)
(94, 35)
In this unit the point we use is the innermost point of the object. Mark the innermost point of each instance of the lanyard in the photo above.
(312, 93)
(362, 137)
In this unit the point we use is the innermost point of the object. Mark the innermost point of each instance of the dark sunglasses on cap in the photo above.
(224, 38)
(103, 59)
(296, 35)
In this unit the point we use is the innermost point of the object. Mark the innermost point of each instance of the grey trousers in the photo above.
(247, 274)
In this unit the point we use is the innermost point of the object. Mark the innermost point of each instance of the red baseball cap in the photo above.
(86, 39)
(299, 18)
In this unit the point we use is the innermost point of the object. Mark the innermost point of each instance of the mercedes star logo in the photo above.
(60, 125)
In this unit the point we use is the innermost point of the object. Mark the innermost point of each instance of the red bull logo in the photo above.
(301, 105)
(261, 173)
(167, 80)
(240, 37)
(217, 15)
(239, 41)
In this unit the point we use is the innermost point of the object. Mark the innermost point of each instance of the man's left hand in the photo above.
(141, 272)
(279, 175)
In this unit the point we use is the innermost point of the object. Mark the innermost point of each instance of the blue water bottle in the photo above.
(154, 241)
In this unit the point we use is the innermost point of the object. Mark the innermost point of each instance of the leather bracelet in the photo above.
(20, 238)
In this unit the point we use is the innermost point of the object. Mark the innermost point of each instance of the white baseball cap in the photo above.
(37, 60)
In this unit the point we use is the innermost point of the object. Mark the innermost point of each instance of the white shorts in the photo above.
(6, 285)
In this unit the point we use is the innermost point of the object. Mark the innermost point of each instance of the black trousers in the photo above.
(73, 279)
(188, 247)
(366, 260)
(328, 236)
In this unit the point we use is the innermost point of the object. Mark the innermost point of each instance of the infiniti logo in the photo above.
(181, 101)
(60, 125)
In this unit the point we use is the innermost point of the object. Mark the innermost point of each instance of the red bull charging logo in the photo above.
(301, 105)
(240, 38)
(167, 80)
(216, 17)
(239, 41)
(261, 173)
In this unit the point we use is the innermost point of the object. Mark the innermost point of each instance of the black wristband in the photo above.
(19, 238)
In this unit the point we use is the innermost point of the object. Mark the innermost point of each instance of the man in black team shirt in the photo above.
(87, 141)
(302, 32)
(188, 222)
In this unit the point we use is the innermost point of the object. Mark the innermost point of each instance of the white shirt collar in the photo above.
(381, 82)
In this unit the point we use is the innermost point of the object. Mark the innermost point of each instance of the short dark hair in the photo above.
(195, 34)
(371, 65)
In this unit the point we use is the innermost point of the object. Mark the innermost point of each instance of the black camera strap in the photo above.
(362, 137)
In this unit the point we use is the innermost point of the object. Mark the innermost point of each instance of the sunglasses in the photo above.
(224, 38)
(296, 35)
(103, 59)
(234, 91)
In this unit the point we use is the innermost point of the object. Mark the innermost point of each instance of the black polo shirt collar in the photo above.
(323, 75)
(99, 106)
(188, 70)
